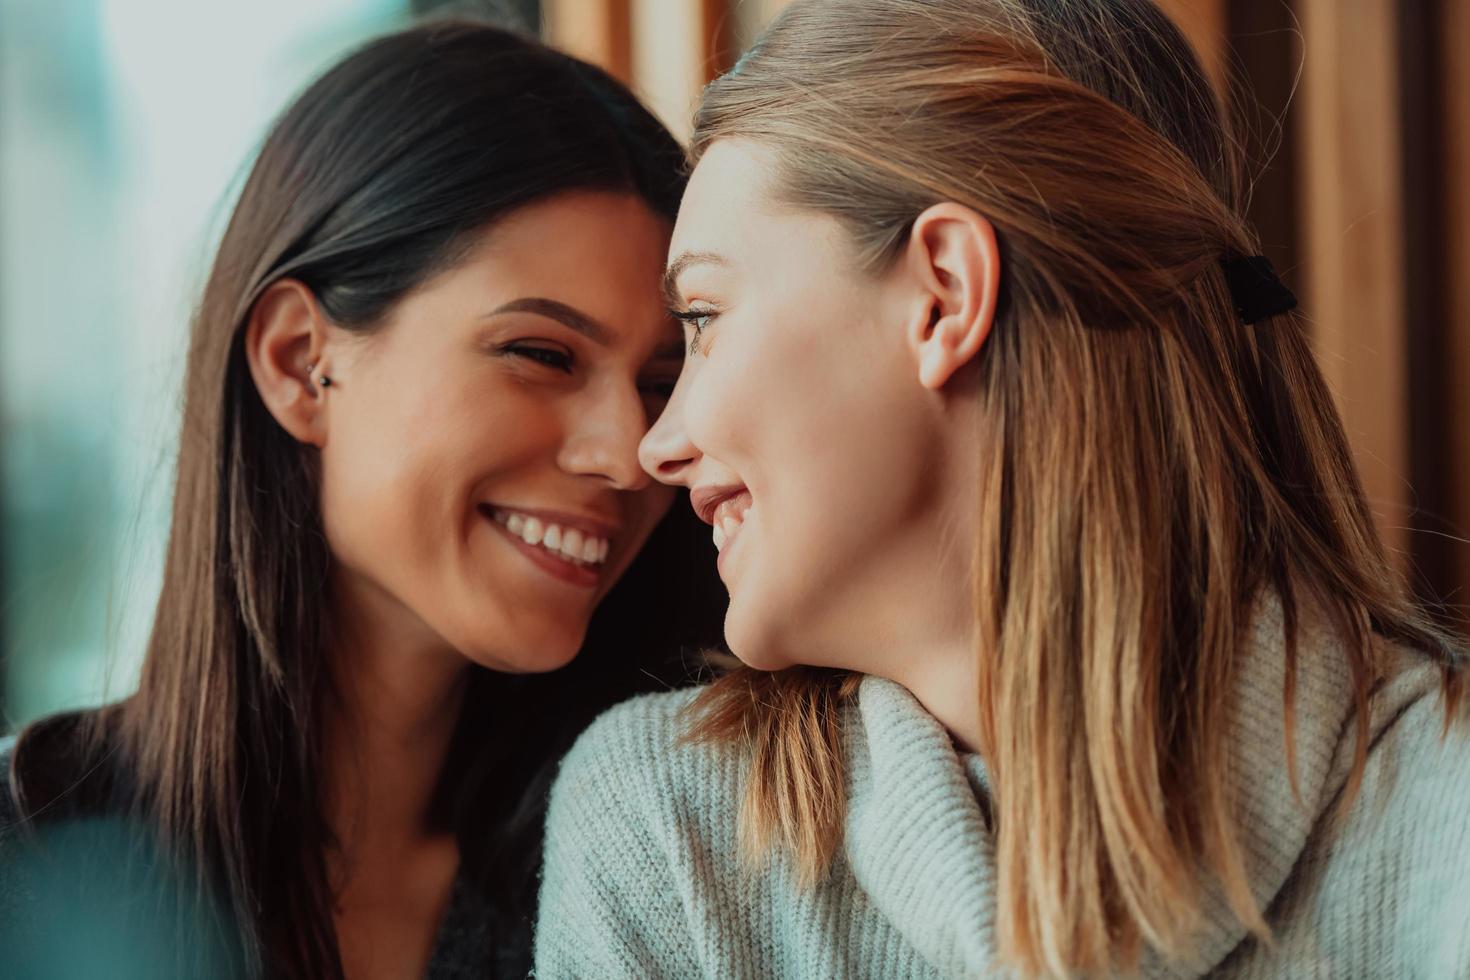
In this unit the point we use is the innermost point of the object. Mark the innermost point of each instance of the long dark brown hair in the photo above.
(380, 175)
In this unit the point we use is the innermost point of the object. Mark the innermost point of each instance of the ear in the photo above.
(953, 255)
(284, 342)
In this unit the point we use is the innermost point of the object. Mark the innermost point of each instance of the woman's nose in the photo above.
(604, 441)
(666, 451)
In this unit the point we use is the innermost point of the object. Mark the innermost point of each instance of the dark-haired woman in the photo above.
(428, 348)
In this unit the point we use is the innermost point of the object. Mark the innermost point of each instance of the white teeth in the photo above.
(570, 543)
(727, 523)
(725, 531)
(533, 531)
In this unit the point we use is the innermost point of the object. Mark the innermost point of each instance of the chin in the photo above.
(522, 665)
(758, 649)
(534, 657)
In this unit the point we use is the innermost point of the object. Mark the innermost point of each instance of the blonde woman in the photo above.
(1069, 646)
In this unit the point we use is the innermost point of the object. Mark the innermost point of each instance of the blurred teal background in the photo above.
(126, 128)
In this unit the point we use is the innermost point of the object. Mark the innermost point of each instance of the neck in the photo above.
(938, 664)
(398, 690)
(919, 628)
(927, 596)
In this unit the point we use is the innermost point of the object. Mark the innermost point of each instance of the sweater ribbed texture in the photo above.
(644, 878)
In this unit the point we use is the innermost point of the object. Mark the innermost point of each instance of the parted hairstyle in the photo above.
(1149, 466)
(382, 174)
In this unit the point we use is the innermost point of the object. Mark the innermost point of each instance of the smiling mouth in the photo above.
(728, 519)
(572, 545)
(724, 508)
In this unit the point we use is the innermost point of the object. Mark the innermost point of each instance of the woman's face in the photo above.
(481, 486)
(798, 422)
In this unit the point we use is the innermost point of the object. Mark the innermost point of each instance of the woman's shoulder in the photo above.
(635, 808)
(1400, 851)
(634, 803)
(657, 715)
(1409, 808)
(639, 756)
(1419, 750)
(65, 765)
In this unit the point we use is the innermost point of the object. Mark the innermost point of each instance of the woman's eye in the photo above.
(551, 357)
(698, 319)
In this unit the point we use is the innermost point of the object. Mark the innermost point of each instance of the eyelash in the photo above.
(560, 361)
(555, 359)
(693, 318)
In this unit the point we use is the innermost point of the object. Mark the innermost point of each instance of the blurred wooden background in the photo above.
(1359, 115)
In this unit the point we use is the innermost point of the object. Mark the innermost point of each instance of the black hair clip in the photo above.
(1255, 289)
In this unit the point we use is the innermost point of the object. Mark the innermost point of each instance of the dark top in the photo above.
(91, 897)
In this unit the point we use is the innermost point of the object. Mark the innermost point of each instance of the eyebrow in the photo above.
(677, 267)
(560, 312)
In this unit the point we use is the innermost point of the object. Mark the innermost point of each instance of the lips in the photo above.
(564, 541)
(707, 500)
(571, 547)
(724, 508)
(729, 519)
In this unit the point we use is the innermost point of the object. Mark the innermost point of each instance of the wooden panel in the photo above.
(678, 46)
(1456, 92)
(1204, 24)
(598, 31)
(717, 29)
(769, 8)
(1352, 264)
(750, 17)
(1266, 51)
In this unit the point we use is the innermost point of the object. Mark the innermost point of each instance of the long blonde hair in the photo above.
(1151, 465)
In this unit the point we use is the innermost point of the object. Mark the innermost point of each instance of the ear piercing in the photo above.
(324, 381)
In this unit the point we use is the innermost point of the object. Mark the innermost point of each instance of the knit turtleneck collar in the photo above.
(918, 838)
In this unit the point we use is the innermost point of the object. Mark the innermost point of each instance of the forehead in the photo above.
(548, 238)
(728, 193)
(557, 248)
(730, 210)
(554, 254)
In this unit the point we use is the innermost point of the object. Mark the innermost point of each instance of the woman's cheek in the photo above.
(706, 407)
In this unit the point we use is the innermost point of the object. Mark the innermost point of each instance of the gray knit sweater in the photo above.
(643, 876)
